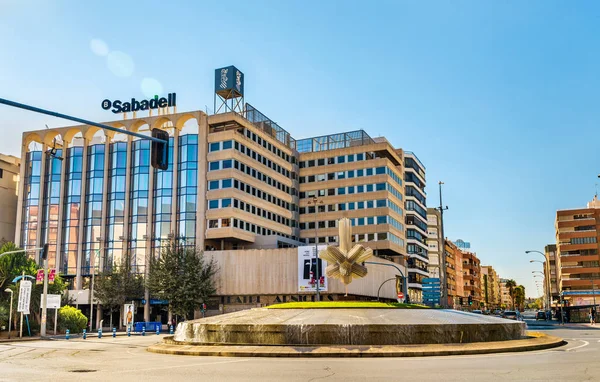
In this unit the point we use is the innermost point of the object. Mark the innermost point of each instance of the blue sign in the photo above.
(580, 292)
(156, 302)
(431, 291)
(229, 82)
(462, 244)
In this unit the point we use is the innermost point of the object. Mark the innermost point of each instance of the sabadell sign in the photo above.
(135, 105)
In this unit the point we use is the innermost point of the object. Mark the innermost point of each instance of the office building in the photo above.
(434, 239)
(9, 182)
(236, 181)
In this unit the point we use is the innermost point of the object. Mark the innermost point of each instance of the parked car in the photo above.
(540, 315)
(477, 311)
(497, 312)
(511, 315)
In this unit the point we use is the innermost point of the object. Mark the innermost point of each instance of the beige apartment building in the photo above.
(490, 286)
(505, 299)
(578, 253)
(9, 183)
(434, 233)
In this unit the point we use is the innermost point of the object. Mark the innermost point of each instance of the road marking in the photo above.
(585, 343)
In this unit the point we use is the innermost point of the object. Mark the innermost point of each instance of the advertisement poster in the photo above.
(128, 317)
(307, 269)
(24, 297)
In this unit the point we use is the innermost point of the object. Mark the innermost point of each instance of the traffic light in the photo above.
(45, 252)
(470, 300)
(159, 152)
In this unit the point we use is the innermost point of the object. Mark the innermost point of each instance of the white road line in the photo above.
(585, 343)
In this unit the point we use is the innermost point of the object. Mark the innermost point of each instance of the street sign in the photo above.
(400, 296)
(52, 301)
(24, 297)
(39, 278)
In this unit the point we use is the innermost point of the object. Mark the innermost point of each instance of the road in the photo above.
(125, 358)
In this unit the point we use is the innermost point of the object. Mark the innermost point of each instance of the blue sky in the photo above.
(498, 99)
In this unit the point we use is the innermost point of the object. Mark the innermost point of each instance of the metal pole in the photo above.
(21, 325)
(317, 247)
(80, 120)
(55, 319)
(444, 286)
(92, 300)
(44, 300)
(10, 312)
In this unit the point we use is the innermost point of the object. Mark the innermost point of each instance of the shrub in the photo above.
(72, 319)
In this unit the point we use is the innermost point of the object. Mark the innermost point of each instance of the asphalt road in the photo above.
(125, 358)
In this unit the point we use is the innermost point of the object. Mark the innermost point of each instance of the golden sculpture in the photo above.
(344, 262)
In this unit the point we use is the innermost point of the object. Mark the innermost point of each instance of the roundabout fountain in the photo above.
(350, 328)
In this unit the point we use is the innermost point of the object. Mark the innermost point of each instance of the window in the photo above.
(213, 224)
(212, 204)
(213, 185)
(225, 203)
(213, 166)
(214, 146)
(227, 163)
(341, 159)
(351, 158)
(380, 170)
(225, 222)
(341, 191)
(226, 183)
(227, 145)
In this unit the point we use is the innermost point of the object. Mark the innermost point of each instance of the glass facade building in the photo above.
(234, 183)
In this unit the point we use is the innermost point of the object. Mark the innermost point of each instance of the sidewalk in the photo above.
(557, 324)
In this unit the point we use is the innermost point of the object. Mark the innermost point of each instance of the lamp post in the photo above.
(547, 291)
(547, 269)
(316, 202)
(442, 250)
(7, 290)
(93, 266)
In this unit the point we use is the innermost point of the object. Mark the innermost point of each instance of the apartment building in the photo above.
(578, 250)
(490, 287)
(472, 278)
(434, 233)
(9, 182)
(555, 273)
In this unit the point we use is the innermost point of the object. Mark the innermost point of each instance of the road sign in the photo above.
(24, 297)
(400, 296)
(52, 301)
(39, 278)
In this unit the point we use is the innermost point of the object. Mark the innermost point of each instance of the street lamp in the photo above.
(316, 202)
(93, 266)
(77, 299)
(7, 290)
(547, 268)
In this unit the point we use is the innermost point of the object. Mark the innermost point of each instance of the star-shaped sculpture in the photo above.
(344, 263)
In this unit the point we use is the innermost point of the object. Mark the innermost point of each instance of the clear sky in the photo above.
(499, 99)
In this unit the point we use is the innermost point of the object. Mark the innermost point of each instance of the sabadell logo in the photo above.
(135, 105)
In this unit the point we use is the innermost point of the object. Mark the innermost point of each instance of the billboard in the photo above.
(229, 82)
(462, 244)
(128, 317)
(307, 269)
(52, 301)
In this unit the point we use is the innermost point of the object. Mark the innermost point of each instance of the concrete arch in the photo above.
(184, 118)
(32, 137)
(137, 124)
(90, 131)
(51, 135)
(160, 121)
(70, 133)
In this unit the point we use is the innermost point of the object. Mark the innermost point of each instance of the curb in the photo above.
(536, 341)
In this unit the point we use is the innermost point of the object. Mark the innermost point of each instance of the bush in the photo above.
(72, 319)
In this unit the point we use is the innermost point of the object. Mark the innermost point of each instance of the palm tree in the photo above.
(520, 296)
(511, 285)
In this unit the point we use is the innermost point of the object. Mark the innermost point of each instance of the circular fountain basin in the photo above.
(353, 326)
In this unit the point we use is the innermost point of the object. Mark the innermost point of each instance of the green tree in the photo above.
(71, 318)
(519, 298)
(118, 285)
(511, 284)
(182, 276)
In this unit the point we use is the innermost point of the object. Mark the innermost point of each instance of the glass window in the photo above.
(371, 220)
(351, 174)
(341, 191)
(227, 163)
(213, 204)
(360, 156)
(225, 222)
(369, 187)
(214, 146)
(380, 170)
(321, 162)
(380, 187)
(226, 203)
(351, 158)
(341, 175)
(226, 183)
(370, 204)
(213, 223)
(381, 203)
(369, 171)
(351, 206)
(360, 173)
(213, 166)
(341, 159)
(361, 205)
(360, 189)
(350, 189)
(213, 185)
(381, 219)
(227, 145)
